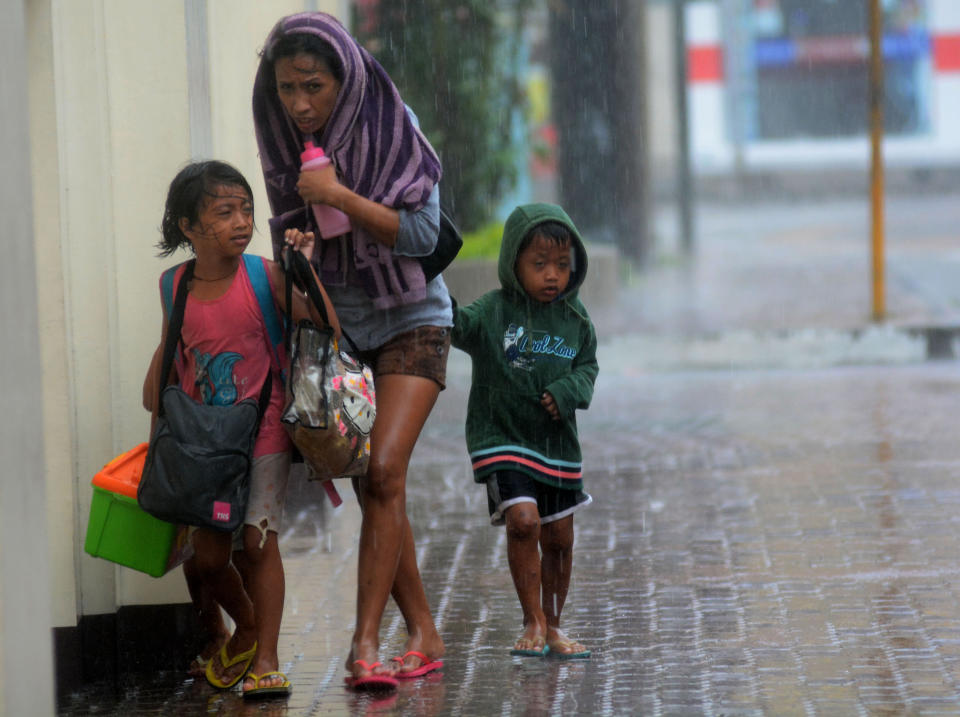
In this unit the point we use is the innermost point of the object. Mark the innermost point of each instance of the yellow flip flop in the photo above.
(228, 662)
(281, 690)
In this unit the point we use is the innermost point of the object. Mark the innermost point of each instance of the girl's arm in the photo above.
(150, 380)
(302, 307)
(321, 186)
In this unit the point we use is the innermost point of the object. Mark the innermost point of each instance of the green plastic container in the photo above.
(119, 531)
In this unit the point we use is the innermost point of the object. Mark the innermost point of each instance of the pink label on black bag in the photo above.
(221, 511)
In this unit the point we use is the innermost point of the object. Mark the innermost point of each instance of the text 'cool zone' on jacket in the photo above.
(520, 348)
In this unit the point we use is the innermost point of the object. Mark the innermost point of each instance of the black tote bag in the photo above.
(197, 470)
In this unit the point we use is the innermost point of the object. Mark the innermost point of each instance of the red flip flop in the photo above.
(372, 682)
(427, 665)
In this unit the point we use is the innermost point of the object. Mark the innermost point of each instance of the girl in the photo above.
(316, 83)
(225, 356)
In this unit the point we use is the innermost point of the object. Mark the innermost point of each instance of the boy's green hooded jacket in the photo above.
(520, 348)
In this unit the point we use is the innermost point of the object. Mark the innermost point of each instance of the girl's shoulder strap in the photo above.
(256, 267)
(167, 285)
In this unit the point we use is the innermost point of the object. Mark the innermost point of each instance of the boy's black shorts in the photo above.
(506, 488)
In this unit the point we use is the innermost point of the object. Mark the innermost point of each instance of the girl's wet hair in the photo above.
(554, 232)
(194, 185)
(297, 43)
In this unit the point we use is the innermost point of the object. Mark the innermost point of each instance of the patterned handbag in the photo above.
(331, 402)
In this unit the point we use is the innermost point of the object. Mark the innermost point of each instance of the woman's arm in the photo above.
(321, 186)
(301, 306)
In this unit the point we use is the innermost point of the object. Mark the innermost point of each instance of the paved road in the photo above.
(761, 542)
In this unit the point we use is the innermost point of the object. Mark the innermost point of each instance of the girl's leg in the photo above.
(523, 555)
(387, 558)
(214, 632)
(266, 583)
(556, 542)
(212, 561)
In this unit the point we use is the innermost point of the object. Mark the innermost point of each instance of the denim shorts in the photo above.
(421, 352)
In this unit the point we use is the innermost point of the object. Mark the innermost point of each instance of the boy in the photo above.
(534, 363)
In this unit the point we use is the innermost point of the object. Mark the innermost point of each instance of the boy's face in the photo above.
(543, 268)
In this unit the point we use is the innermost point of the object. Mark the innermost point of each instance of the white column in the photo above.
(26, 663)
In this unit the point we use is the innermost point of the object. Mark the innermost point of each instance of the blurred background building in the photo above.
(782, 84)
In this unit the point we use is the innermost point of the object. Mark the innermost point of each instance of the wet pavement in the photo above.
(768, 536)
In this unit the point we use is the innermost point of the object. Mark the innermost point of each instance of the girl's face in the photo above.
(543, 268)
(224, 223)
(307, 90)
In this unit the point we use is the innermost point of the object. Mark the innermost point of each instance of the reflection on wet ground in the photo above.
(762, 542)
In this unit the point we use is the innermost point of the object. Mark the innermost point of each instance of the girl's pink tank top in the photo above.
(225, 356)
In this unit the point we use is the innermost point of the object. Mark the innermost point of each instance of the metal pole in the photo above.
(876, 160)
(685, 187)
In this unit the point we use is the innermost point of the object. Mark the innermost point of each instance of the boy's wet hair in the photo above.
(297, 43)
(192, 186)
(552, 231)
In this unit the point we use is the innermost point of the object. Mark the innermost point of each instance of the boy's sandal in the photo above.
(574, 650)
(256, 692)
(538, 648)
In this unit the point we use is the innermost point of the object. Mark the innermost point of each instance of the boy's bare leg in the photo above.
(556, 542)
(212, 561)
(386, 544)
(266, 584)
(523, 555)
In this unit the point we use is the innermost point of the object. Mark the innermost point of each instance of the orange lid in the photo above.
(122, 474)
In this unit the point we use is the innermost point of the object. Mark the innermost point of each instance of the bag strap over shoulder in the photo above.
(257, 273)
(174, 319)
(298, 271)
(166, 288)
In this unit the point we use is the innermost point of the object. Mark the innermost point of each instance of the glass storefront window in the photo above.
(809, 67)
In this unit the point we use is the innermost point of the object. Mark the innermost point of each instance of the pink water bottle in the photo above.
(330, 221)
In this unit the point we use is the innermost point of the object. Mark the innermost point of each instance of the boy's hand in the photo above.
(300, 241)
(546, 400)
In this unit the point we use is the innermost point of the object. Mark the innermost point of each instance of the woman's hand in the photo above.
(300, 241)
(319, 186)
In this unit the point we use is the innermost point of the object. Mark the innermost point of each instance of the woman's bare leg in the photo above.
(387, 558)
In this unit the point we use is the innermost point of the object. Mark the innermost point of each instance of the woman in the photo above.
(315, 83)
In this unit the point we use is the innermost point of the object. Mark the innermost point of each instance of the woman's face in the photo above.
(307, 90)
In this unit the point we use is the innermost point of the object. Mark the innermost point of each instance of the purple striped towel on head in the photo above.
(377, 150)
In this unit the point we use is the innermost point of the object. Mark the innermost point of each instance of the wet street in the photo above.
(763, 542)
(774, 531)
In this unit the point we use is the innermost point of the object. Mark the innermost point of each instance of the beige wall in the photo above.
(110, 126)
